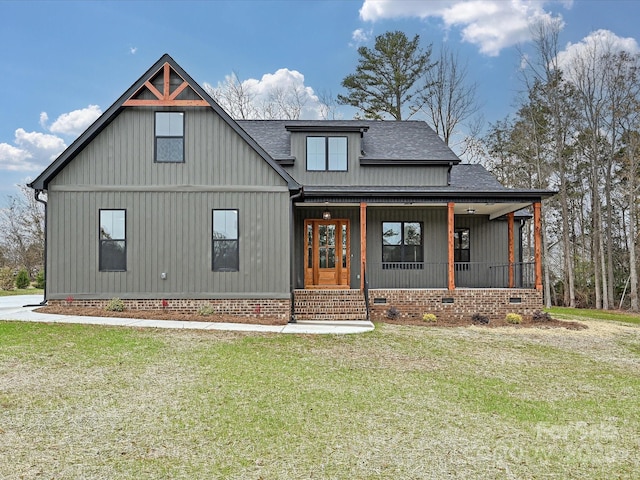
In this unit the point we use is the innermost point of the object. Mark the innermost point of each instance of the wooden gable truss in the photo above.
(166, 88)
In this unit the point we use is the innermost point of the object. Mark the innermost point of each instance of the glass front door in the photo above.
(326, 254)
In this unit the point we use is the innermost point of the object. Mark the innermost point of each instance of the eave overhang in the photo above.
(400, 162)
(327, 128)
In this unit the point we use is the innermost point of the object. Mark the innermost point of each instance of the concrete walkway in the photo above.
(13, 308)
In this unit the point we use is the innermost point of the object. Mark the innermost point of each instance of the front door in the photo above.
(326, 255)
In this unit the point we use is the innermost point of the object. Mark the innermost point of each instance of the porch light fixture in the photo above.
(326, 215)
(471, 211)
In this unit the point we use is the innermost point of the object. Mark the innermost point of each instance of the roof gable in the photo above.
(164, 84)
(166, 88)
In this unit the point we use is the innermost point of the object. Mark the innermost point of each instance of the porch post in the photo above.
(451, 284)
(510, 217)
(537, 239)
(363, 243)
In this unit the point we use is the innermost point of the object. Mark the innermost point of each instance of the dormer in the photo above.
(349, 153)
(326, 147)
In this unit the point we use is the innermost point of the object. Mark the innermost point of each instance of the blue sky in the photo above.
(63, 63)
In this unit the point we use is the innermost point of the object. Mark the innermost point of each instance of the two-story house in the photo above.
(167, 202)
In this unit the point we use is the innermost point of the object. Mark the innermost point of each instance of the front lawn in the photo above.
(400, 402)
(21, 291)
(582, 313)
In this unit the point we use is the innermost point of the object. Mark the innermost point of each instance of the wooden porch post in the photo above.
(363, 243)
(451, 284)
(510, 218)
(537, 239)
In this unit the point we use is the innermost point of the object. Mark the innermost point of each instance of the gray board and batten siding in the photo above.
(168, 214)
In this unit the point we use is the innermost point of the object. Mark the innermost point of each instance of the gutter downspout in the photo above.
(292, 246)
(44, 259)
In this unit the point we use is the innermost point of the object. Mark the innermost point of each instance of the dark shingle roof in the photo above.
(474, 176)
(384, 141)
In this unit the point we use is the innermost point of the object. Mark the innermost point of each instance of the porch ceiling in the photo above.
(492, 209)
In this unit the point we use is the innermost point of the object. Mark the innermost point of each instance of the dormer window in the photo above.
(327, 154)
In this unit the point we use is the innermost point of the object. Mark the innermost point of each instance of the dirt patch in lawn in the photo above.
(161, 315)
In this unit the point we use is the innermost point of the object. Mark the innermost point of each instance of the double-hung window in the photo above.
(402, 243)
(327, 154)
(113, 241)
(226, 254)
(169, 147)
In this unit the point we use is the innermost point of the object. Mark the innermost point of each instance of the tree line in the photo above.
(577, 131)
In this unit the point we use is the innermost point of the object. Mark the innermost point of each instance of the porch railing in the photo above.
(434, 275)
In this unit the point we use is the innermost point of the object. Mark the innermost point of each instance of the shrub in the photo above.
(22, 279)
(429, 317)
(513, 318)
(539, 316)
(206, 310)
(393, 313)
(114, 305)
(6, 278)
(40, 282)
(478, 318)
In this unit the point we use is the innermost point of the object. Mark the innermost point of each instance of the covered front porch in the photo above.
(458, 251)
(463, 245)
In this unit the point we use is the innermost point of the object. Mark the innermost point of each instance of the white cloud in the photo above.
(594, 45)
(262, 92)
(15, 159)
(72, 123)
(133, 50)
(32, 151)
(490, 24)
(39, 141)
(360, 36)
(44, 118)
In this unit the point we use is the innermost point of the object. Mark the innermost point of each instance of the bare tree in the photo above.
(328, 105)
(235, 97)
(624, 77)
(556, 97)
(449, 96)
(588, 74)
(22, 231)
(285, 103)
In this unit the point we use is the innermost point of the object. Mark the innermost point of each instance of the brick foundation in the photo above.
(456, 304)
(256, 308)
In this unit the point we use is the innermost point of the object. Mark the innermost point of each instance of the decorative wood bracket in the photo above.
(166, 97)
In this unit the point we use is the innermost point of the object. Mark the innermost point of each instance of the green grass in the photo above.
(565, 312)
(21, 291)
(399, 402)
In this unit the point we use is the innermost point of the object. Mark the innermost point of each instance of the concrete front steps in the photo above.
(329, 305)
